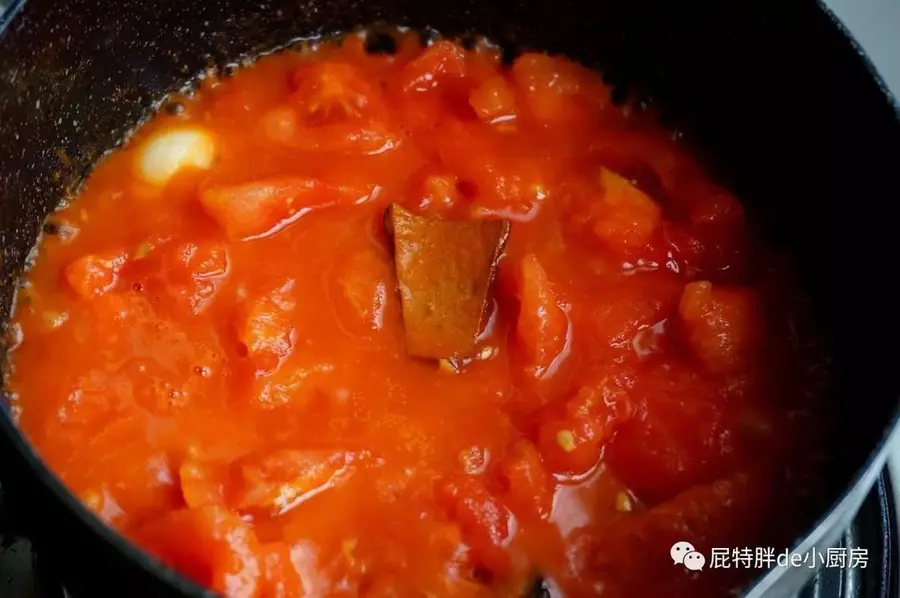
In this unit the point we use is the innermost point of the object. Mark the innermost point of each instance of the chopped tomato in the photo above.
(572, 443)
(194, 270)
(543, 326)
(702, 513)
(355, 136)
(113, 315)
(626, 217)
(238, 106)
(721, 325)
(508, 180)
(681, 434)
(634, 303)
(437, 194)
(494, 102)
(557, 91)
(363, 290)
(277, 482)
(124, 491)
(202, 259)
(93, 275)
(530, 488)
(268, 482)
(294, 384)
(211, 545)
(266, 329)
(282, 124)
(256, 208)
(487, 525)
(332, 91)
(443, 60)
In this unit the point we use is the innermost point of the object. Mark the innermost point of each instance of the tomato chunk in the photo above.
(266, 327)
(625, 552)
(543, 325)
(351, 137)
(494, 101)
(335, 108)
(628, 305)
(721, 325)
(92, 275)
(627, 217)
(486, 522)
(438, 194)
(442, 61)
(509, 181)
(681, 434)
(557, 91)
(364, 286)
(267, 482)
(530, 487)
(276, 482)
(211, 545)
(572, 443)
(333, 91)
(199, 259)
(256, 208)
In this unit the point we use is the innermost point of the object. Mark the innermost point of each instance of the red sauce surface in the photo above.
(216, 365)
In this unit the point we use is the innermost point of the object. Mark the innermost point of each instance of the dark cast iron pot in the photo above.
(787, 108)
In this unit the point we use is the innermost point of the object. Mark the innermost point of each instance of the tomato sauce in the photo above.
(214, 350)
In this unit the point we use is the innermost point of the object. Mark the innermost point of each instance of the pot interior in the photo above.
(794, 123)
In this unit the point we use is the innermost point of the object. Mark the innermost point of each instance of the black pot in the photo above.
(787, 108)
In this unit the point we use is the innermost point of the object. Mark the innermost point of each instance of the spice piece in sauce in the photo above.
(445, 269)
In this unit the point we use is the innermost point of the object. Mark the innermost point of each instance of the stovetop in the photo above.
(874, 531)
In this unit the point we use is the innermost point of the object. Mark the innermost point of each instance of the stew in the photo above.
(386, 318)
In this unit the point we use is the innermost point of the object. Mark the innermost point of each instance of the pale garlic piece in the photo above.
(169, 151)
